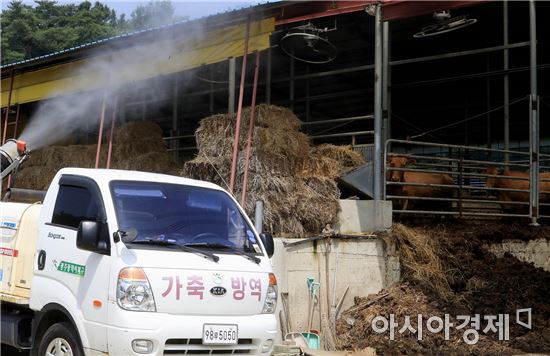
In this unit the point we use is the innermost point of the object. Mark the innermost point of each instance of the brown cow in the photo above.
(523, 184)
(417, 177)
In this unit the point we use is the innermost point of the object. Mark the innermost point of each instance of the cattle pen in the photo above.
(474, 171)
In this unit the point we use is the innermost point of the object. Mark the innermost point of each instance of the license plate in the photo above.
(219, 334)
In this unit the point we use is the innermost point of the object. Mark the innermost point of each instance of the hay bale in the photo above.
(136, 146)
(266, 116)
(210, 169)
(345, 155)
(297, 187)
(33, 178)
(139, 130)
(273, 184)
(323, 186)
(316, 165)
(272, 116)
(220, 143)
(267, 163)
(279, 215)
(211, 130)
(288, 143)
(148, 162)
(315, 212)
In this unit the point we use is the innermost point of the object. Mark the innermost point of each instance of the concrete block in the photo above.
(536, 252)
(364, 216)
(365, 265)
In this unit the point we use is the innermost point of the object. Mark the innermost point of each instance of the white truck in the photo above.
(132, 263)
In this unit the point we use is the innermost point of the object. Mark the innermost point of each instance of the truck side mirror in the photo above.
(92, 236)
(267, 241)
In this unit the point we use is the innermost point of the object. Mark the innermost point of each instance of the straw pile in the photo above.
(136, 146)
(295, 182)
(448, 269)
(345, 155)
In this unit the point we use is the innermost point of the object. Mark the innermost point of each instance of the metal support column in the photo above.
(259, 216)
(174, 143)
(4, 135)
(308, 102)
(385, 82)
(506, 86)
(291, 84)
(211, 94)
(16, 120)
(112, 134)
(239, 112)
(386, 135)
(488, 106)
(250, 129)
(231, 89)
(268, 77)
(100, 132)
(144, 107)
(377, 174)
(533, 122)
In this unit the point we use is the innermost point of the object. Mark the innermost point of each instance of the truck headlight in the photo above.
(270, 303)
(134, 291)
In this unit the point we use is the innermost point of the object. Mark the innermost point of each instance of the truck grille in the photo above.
(195, 347)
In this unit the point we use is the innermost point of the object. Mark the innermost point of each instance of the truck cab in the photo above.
(133, 263)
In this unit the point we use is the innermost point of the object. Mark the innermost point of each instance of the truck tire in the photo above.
(60, 339)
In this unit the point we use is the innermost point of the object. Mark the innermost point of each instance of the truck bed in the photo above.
(4, 297)
(18, 233)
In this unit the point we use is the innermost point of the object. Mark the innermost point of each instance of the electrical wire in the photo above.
(330, 129)
(413, 125)
(217, 172)
(544, 101)
(468, 119)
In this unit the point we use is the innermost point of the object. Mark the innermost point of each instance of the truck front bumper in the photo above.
(172, 334)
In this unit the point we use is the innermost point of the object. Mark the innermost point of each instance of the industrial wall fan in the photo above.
(308, 44)
(444, 23)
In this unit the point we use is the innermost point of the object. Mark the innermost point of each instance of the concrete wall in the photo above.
(365, 264)
(360, 216)
(534, 251)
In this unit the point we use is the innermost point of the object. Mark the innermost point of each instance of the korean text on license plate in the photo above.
(219, 334)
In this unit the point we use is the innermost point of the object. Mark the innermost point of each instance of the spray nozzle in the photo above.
(21, 147)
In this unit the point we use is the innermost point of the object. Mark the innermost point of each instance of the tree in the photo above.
(31, 31)
(17, 23)
(153, 14)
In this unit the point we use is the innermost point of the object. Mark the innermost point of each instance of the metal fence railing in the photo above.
(464, 181)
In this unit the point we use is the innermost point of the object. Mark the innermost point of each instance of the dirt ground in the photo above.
(446, 270)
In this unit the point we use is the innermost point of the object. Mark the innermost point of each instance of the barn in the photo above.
(444, 102)
(461, 89)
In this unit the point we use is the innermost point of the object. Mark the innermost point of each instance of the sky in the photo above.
(193, 9)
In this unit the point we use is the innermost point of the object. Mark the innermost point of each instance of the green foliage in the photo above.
(152, 14)
(31, 31)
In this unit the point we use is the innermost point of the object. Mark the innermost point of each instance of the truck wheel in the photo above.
(60, 339)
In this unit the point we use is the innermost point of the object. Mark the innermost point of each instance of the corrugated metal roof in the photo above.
(139, 32)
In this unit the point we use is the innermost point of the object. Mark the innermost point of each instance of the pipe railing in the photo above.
(463, 197)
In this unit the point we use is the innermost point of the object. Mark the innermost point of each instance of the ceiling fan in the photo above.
(444, 23)
(308, 44)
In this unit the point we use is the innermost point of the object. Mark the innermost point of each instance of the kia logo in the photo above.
(218, 290)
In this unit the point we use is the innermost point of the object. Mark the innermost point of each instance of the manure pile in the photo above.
(446, 270)
(136, 146)
(295, 181)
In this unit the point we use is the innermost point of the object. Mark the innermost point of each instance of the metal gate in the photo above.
(442, 179)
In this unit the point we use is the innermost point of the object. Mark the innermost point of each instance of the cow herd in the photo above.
(421, 189)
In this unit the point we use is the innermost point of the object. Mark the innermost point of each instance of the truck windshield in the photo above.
(182, 214)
